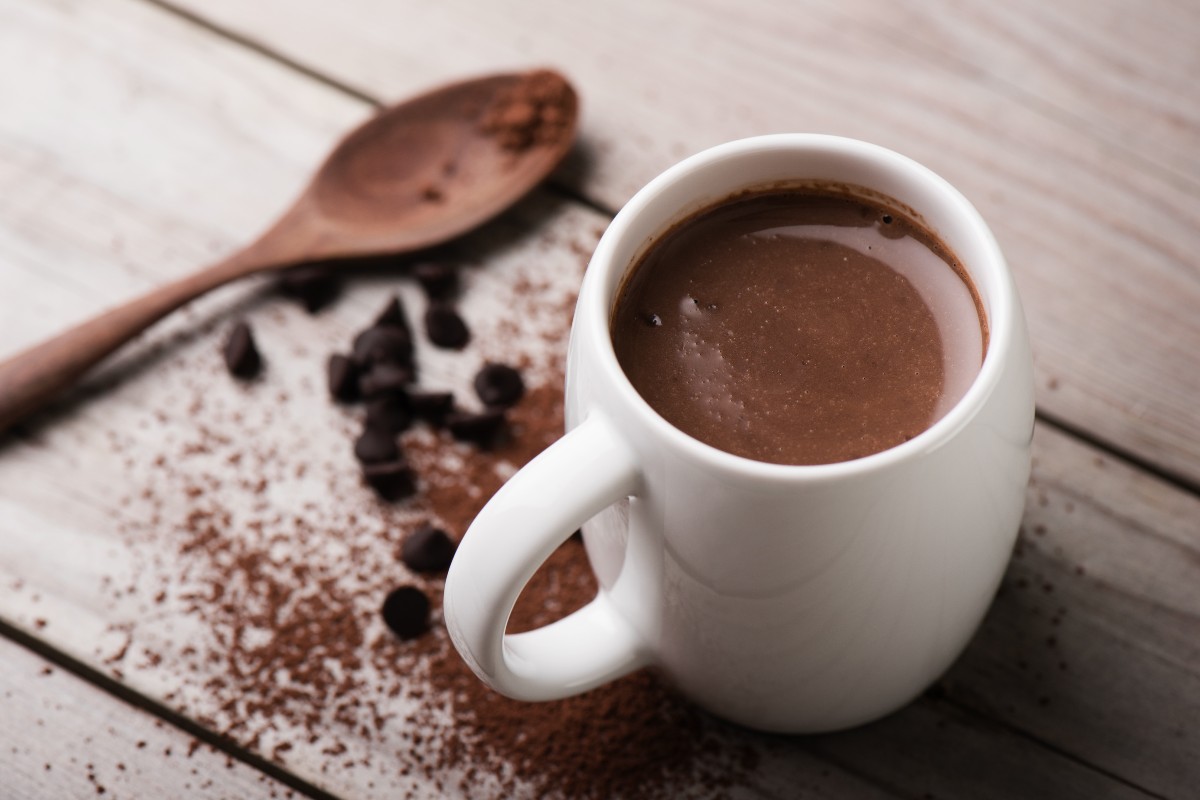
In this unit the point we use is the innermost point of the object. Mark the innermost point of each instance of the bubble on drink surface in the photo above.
(708, 371)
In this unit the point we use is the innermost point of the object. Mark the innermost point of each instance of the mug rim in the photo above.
(999, 297)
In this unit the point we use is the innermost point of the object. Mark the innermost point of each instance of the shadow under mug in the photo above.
(783, 598)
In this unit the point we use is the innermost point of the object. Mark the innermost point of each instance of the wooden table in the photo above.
(142, 138)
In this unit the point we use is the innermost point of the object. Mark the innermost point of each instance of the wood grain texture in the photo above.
(1124, 70)
(1092, 646)
(154, 184)
(62, 737)
(32, 378)
(1082, 159)
(193, 141)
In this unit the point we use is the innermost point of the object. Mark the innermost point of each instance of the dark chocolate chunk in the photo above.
(406, 612)
(343, 378)
(393, 315)
(386, 344)
(375, 446)
(431, 406)
(445, 327)
(393, 480)
(427, 549)
(389, 413)
(482, 429)
(440, 281)
(499, 385)
(385, 378)
(314, 286)
(241, 355)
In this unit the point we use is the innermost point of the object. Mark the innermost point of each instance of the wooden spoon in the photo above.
(418, 174)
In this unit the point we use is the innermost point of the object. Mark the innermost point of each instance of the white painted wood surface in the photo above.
(1072, 126)
(60, 737)
(138, 142)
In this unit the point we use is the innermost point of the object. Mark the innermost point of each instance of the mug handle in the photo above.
(584, 472)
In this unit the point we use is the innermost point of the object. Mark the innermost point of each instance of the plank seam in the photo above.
(1092, 440)
(261, 49)
(249, 43)
(1097, 442)
(984, 719)
(1013, 730)
(1046, 107)
(167, 715)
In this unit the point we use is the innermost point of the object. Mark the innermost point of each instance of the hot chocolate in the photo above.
(800, 326)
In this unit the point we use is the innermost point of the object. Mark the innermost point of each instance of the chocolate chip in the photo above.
(385, 379)
(314, 286)
(393, 315)
(343, 378)
(241, 355)
(499, 385)
(389, 413)
(406, 612)
(431, 406)
(427, 549)
(445, 327)
(393, 480)
(387, 344)
(482, 429)
(375, 446)
(440, 281)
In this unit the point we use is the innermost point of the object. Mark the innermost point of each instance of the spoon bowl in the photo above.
(415, 175)
(429, 170)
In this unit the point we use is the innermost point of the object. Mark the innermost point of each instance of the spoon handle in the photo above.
(29, 379)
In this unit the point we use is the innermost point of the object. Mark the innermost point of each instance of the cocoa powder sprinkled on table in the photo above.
(632, 738)
(260, 606)
(294, 644)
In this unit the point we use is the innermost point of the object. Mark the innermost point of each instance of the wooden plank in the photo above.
(1090, 651)
(975, 747)
(98, 492)
(1094, 642)
(61, 736)
(100, 203)
(96, 506)
(933, 749)
(1098, 237)
(1124, 69)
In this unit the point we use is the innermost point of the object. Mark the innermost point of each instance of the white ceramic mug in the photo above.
(784, 598)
